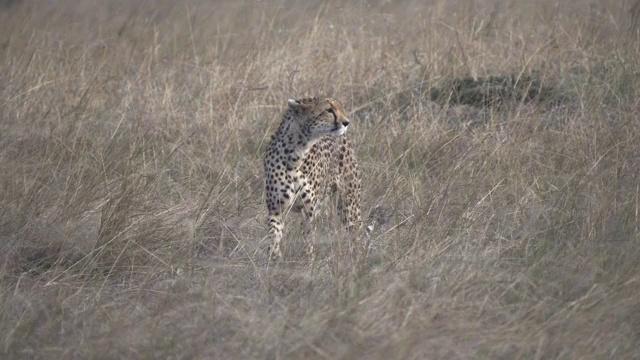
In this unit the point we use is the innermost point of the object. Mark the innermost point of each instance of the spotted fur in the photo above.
(307, 160)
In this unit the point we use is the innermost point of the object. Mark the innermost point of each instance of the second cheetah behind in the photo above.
(308, 159)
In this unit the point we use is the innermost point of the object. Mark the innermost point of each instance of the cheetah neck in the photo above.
(295, 144)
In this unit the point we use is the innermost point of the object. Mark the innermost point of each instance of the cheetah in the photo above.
(308, 159)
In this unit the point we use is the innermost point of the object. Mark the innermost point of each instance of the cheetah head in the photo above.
(318, 117)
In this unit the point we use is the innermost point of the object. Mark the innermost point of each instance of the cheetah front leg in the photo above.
(309, 205)
(349, 203)
(275, 232)
(278, 200)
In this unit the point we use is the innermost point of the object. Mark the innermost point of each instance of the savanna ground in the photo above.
(498, 142)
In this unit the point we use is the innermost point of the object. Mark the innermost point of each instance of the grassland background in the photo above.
(131, 190)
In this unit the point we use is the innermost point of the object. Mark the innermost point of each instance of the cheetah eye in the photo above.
(333, 112)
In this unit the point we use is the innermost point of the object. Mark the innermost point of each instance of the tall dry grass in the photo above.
(132, 222)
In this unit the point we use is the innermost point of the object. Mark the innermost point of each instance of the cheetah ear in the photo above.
(293, 104)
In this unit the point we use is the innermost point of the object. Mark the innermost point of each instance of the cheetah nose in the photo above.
(345, 123)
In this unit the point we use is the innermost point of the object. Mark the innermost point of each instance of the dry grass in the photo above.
(132, 214)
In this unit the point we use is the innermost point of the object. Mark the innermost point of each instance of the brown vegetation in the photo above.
(132, 220)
